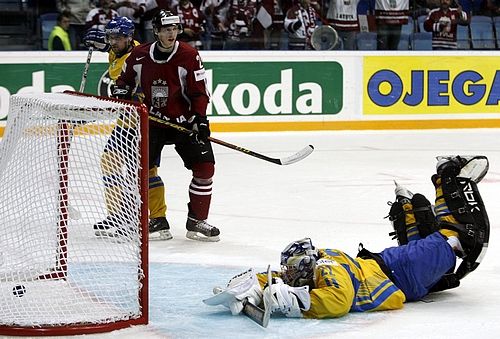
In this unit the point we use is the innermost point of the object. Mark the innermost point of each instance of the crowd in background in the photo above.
(267, 24)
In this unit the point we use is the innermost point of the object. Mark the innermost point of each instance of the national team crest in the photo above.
(159, 93)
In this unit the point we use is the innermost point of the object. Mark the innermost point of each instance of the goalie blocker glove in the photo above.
(290, 301)
(96, 39)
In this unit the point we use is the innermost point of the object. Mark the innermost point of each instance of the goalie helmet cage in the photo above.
(67, 161)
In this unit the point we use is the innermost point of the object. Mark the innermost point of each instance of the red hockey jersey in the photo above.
(191, 18)
(443, 25)
(174, 89)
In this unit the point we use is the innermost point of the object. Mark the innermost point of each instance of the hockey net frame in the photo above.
(62, 123)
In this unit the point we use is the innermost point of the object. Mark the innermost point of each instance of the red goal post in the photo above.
(67, 161)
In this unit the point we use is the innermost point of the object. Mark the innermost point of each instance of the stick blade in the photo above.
(267, 306)
(303, 153)
(255, 313)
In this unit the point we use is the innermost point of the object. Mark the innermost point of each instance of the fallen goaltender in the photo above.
(328, 283)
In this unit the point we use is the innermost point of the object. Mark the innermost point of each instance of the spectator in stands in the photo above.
(421, 7)
(152, 8)
(343, 16)
(216, 16)
(134, 10)
(474, 7)
(59, 38)
(442, 22)
(268, 25)
(78, 9)
(240, 16)
(193, 22)
(493, 7)
(300, 22)
(100, 16)
(390, 16)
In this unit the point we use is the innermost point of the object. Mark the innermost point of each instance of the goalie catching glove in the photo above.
(96, 39)
(290, 301)
(240, 289)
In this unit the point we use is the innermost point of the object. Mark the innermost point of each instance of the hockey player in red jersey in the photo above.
(172, 79)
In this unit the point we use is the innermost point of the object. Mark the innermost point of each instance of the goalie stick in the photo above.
(257, 314)
(303, 153)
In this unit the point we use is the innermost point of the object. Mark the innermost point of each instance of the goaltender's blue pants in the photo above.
(418, 265)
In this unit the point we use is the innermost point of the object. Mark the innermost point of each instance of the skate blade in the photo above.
(160, 235)
(199, 237)
(109, 236)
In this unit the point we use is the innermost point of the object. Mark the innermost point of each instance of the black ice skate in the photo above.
(201, 230)
(159, 229)
(112, 227)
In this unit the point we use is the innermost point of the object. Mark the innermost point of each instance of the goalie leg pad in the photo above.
(412, 219)
(465, 204)
(424, 215)
(397, 218)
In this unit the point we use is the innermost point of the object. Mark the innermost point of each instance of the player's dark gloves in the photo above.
(200, 127)
(96, 39)
(121, 92)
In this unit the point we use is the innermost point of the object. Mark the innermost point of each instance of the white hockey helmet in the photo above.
(166, 18)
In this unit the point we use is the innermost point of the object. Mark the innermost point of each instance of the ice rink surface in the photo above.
(338, 197)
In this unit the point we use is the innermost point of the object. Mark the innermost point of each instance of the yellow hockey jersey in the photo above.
(114, 69)
(116, 63)
(343, 284)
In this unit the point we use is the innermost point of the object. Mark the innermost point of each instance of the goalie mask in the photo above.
(297, 262)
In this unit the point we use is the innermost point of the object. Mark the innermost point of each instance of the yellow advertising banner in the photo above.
(431, 84)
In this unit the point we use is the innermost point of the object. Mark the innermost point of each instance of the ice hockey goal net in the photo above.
(67, 162)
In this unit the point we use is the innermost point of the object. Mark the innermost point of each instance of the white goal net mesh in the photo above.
(67, 163)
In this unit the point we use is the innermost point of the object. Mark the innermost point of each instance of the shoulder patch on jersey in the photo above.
(199, 74)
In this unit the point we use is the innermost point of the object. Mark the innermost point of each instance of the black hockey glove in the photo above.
(200, 129)
(96, 39)
(121, 92)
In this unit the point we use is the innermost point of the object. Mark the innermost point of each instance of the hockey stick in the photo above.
(303, 153)
(86, 70)
(257, 314)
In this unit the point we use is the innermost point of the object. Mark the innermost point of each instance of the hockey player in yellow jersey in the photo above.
(328, 283)
(117, 39)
